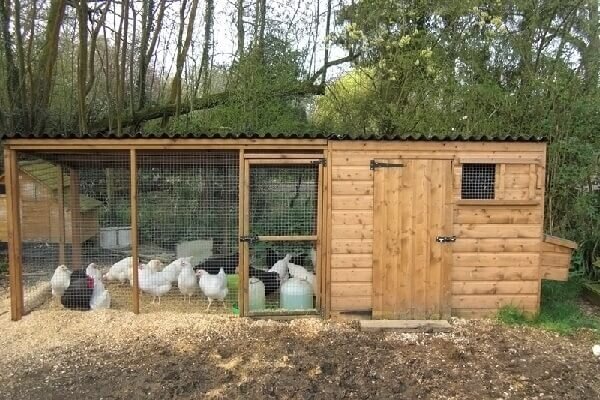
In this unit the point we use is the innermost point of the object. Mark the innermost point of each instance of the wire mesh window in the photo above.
(478, 181)
(283, 200)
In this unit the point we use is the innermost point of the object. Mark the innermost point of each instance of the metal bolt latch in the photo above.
(376, 164)
(445, 239)
(249, 239)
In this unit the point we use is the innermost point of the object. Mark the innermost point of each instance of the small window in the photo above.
(478, 181)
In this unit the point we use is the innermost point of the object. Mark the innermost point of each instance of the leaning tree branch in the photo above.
(327, 65)
(203, 103)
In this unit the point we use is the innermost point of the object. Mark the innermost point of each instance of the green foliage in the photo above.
(560, 311)
(254, 103)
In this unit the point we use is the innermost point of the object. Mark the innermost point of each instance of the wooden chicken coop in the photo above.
(400, 227)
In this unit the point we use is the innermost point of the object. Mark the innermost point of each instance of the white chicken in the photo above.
(313, 257)
(60, 280)
(281, 267)
(596, 350)
(152, 282)
(171, 271)
(100, 296)
(119, 271)
(214, 287)
(187, 281)
(93, 272)
(298, 271)
(154, 265)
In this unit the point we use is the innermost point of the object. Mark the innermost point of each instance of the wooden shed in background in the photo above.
(41, 196)
(408, 227)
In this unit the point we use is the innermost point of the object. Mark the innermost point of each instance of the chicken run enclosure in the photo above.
(383, 228)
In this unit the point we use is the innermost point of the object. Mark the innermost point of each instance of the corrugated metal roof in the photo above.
(453, 136)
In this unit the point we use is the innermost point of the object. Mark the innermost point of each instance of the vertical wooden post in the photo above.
(134, 228)
(243, 269)
(61, 215)
(326, 258)
(11, 173)
(75, 206)
(319, 243)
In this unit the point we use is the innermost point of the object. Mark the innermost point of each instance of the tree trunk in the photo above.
(590, 58)
(12, 73)
(240, 29)
(327, 32)
(208, 27)
(82, 66)
(182, 49)
(45, 73)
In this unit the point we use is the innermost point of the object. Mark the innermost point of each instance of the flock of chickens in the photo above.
(84, 290)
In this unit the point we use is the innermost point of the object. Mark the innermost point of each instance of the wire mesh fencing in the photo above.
(75, 211)
(74, 225)
(188, 231)
(283, 212)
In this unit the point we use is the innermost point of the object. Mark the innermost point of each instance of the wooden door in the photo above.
(411, 269)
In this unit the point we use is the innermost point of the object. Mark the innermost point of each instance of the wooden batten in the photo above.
(245, 211)
(61, 215)
(133, 186)
(244, 258)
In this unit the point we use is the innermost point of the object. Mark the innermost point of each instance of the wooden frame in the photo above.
(134, 229)
(164, 144)
(61, 216)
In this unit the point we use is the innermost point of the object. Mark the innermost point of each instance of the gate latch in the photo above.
(376, 164)
(445, 239)
(249, 239)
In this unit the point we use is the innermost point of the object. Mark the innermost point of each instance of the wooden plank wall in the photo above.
(39, 215)
(496, 258)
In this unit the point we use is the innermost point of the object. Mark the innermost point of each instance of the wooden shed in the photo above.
(41, 196)
(404, 227)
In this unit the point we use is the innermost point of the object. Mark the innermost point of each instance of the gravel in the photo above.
(117, 355)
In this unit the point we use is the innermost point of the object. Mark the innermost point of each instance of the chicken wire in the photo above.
(282, 274)
(188, 230)
(82, 201)
(187, 213)
(478, 181)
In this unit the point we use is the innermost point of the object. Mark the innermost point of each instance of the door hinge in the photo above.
(377, 164)
(249, 239)
(322, 161)
(445, 239)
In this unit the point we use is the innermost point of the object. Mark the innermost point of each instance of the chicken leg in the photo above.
(209, 303)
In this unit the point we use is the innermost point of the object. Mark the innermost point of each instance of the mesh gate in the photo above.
(282, 233)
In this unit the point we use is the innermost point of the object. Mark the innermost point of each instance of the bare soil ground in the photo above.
(116, 355)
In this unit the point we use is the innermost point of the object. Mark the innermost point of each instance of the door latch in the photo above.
(376, 164)
(445, 239)
(249, 239)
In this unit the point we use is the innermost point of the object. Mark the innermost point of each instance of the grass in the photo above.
(560, 311)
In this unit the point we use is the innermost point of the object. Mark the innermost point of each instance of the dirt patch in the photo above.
(116, 355)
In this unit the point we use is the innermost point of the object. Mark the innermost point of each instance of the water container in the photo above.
(257, 295)
(296, 294)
